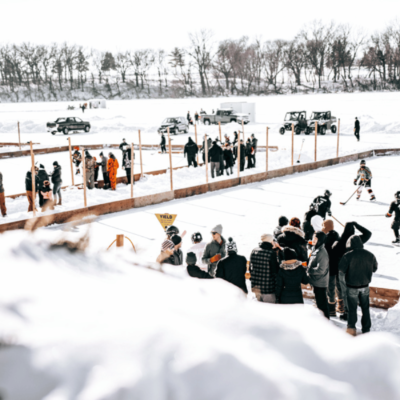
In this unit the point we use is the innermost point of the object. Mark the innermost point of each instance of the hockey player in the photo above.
(364, 174)
(322, 204)
(198, 249)
(395, 208)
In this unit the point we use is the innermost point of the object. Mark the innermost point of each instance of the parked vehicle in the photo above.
(66, 125)
(175, 125)
(325, 121)
(225, 116)
(298, 119)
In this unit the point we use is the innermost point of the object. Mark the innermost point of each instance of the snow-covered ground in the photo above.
(100, 325)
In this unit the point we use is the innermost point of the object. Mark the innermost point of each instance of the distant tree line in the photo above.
(321, 57)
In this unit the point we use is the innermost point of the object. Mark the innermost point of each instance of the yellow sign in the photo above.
(166, 219)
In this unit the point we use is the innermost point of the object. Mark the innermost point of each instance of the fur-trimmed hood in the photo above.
(291, 266)
(293, 229)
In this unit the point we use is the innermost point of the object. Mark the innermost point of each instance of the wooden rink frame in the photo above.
(379, 297)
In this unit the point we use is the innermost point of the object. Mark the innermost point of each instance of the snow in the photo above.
(99, 325)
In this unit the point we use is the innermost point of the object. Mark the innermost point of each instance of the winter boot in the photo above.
(344, 316)
(352, 332)
(373, 198)
(340, 307)
(59, 203)
(397, 241)
(332, 309)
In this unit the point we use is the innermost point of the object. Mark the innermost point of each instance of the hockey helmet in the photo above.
(196, 237)
(362, 162)
(327, 193)
(172, 230)
(397, 195)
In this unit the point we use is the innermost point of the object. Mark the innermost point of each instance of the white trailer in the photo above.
(242, 108)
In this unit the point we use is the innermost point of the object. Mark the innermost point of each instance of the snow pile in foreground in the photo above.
(392, 320)
(96, 326)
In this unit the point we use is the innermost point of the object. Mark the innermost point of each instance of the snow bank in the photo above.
(96, 326)
(392, 321)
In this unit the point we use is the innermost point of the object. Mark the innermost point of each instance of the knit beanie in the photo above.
(176, 239)
(167, 244)
(267, 237)
(217, 229)
(283, 221)
(327, 226)
(191, 258)
(316, 223)
(231, 246)
(295, 222)
(289, 254)
(42, 166)
(101, 154)
(321, 238)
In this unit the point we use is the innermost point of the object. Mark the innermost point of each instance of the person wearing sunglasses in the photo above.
(214, 250)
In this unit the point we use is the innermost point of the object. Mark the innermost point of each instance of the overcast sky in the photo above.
(120, 24)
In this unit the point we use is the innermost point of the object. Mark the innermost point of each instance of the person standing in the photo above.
(364, 174)
(196, 118)
(357, 129)
(42, 177)
(356, 269)
(47, 195)
(89, 166)
(307, 227)
(395, 208)
(254, 143)
(291, 275)
(2, 198)
(242, 155)
(112, 169)
(293, 237)
(263, 269)
(162, 144)
(190, 150)
(322, 204)
(188, 117)
(318, 272)
(233, 267)
(214, 250)
(103, 164)
(198, 249)
(56, 180)
(83, 108)
(333, 286)
(127, 165)
(122, 145)
(28, 188)
(249, 151)
(228, 157)
(77, 159)
(215, 153)
(96, 171)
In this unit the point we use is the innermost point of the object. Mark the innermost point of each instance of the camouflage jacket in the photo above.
(364, 174)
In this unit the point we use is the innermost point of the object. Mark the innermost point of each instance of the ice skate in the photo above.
(373, 198)
(397, 241)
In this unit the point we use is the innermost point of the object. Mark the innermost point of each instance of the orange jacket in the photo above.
(112, 165)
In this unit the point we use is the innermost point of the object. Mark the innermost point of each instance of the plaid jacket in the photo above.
(263, 268)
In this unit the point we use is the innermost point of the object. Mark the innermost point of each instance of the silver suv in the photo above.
(175, 125)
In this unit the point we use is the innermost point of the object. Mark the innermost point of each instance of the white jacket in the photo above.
(198, 249)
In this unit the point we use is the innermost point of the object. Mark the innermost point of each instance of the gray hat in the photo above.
(266, 237)
(217, 229)
(191, 258)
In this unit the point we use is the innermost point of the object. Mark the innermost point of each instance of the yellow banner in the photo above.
(166, 219)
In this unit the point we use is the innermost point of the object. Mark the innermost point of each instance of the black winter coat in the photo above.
(162, 140)
(215, 153)
(322, 206)
(56, 175)
(331, 238)
(288, 283)
(293, 238)
(228, 156)
(195, 272)
(42, 176)
(358, 264)
(357, 125)
(191, 148)
(233, 269)
(339, 248)
(307, 227)
(28, 182)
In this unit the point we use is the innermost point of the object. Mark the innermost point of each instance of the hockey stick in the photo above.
(372, 215)
(343, 204)
(337, 220)
(301, 150)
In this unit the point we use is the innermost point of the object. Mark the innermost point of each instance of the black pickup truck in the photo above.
(65, 125)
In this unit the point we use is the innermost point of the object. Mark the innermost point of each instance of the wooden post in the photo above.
(170, 160)
(220, 135)
(195, 138)
(84, 176)
(292, 142)
(132, 164)
(338, 133)
(120, 240)
(19, 137)
(140, 149)
(70, 160)
(316, 134)
(238, 154)
(206, 156)
(33, 181)
(266, 152)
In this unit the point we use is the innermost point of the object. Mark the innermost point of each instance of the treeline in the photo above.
(320, 58)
